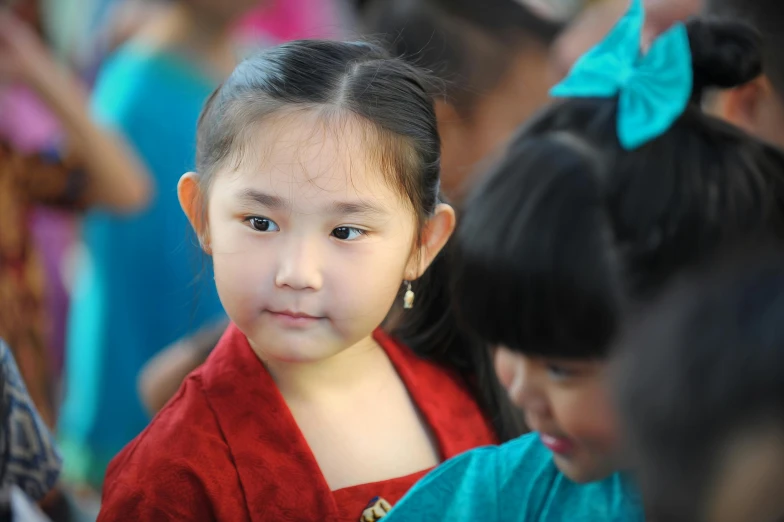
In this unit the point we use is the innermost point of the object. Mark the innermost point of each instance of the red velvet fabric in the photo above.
(226, 447)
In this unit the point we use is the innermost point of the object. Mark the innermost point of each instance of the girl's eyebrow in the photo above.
(260, 198)
(345, 208)
(341, 208)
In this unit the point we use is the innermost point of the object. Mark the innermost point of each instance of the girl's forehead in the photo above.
(308, 154)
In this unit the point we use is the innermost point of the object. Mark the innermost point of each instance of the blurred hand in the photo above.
(661, 14)
(23, 57)
(598, 18)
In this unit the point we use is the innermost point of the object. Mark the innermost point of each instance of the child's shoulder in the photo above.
(180, 461)
(516, 481)
(186, 419)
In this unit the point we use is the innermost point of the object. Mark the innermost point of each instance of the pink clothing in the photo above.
(29, 127)
(26, 123)
(284, 20)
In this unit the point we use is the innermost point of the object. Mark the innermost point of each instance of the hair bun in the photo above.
(725, 53)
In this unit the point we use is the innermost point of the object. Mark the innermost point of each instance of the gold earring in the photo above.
(205, 245)
(408, 298)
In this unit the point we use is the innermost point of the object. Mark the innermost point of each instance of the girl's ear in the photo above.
(435, 234)
(192, 203)
(741, 105)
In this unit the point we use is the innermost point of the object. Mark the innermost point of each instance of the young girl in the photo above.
(494, 56)
(701, 389)
(142, 283)
(317, 198)
(597, 204)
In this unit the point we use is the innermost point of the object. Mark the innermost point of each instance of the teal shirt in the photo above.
(515, 482)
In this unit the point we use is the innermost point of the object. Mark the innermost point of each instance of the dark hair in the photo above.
(340, 80)
(469, 44)
(766, 17)
(703, 366)
(570, 229)
(392, 98)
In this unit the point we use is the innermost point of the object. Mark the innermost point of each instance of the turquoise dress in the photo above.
(516, 482)
(143, 283)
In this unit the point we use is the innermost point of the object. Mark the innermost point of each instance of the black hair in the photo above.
(339, 79)
(767, 17)
(569, 229)
(391, 97)
(468, 44)
(702, 367)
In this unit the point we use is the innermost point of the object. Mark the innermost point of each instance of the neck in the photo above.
(188, 31)
(338, 374)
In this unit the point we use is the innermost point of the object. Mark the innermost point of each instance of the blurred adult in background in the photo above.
(29, 126)
(493, 58)
(92, 168)
(117, 22)
(285, 20)
(136, 293)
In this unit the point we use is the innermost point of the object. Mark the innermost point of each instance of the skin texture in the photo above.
(756, 107)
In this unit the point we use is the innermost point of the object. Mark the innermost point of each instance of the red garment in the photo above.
(226, 448)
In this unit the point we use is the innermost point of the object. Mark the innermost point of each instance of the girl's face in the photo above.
(567, 402)
(310, 239)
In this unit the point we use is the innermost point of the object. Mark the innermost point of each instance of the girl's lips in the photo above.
(558, 445)
(293, 319)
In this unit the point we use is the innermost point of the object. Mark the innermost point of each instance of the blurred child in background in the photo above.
(143, 283)
(493, 58)
(701, 390)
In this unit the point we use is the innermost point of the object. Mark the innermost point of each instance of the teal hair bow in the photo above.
(653, 89)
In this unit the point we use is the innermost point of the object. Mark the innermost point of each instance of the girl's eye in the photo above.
(559, 372)
(261, 224)
(348, 233)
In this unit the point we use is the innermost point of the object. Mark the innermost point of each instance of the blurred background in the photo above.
(103, 296)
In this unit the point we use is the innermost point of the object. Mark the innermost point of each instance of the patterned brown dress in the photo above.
(26, 181)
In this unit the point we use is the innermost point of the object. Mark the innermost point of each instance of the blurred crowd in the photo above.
(107, 299)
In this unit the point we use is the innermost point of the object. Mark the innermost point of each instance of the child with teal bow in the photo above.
(598, 203)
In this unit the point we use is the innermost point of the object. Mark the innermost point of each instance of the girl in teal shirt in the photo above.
(597, 203)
